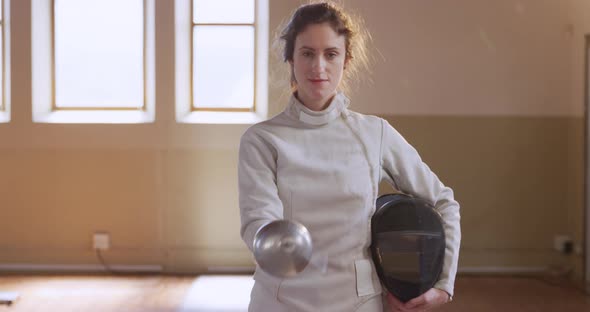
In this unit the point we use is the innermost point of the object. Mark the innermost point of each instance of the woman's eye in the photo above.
(332, 55)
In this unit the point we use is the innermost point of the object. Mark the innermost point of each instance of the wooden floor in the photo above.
(170, 293)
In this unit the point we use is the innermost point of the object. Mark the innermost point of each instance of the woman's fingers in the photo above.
(395, 304)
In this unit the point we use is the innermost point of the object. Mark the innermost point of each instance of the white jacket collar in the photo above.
(316, 118)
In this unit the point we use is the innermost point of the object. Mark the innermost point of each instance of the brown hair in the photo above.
(343, 24)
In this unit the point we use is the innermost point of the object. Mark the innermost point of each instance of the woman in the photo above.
(320, 164)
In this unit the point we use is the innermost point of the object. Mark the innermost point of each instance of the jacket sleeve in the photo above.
(403, 167)
(258, 196)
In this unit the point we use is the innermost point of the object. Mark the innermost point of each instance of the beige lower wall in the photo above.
(575, 191)
(518, 179)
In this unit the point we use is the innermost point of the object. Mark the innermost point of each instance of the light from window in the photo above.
(224, 56)
(2, 105)
(99, 54)
(223, 69)
(223, 11)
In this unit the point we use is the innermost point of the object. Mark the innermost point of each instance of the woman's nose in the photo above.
(319, 63)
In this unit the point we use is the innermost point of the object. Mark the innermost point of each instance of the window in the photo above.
(227, 64)
(95, 61)
(4, 62)
(2, 105)
(221, 60)
(98, 54)
(587, 153)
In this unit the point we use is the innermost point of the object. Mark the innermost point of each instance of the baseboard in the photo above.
(78, 268)
(230, 270)
(502, 270)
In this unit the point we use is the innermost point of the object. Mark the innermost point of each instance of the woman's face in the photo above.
(318, 62)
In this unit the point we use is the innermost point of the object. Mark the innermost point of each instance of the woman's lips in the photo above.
(317, 81)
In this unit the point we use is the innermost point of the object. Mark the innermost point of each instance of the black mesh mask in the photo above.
(408, 245)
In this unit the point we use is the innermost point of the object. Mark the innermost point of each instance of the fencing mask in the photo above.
(408, 245)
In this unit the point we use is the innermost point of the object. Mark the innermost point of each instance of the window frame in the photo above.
(5, 99)
(2, 99)
(194, 24)
(44, 109)
(185, 110)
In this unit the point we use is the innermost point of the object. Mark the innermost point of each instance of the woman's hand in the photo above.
(429, 300)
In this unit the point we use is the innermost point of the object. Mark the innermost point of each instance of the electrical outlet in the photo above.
(101, 240)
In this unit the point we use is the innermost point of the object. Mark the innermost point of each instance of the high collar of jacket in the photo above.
(337, 106)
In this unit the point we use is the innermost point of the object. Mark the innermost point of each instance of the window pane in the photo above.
(99, 53)
(223, 11)
(1, 56)
(223, 66)
(2, 69)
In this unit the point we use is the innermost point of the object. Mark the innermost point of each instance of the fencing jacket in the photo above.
(322, 168)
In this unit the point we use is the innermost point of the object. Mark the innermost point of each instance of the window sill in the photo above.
(4, 117)
(221, 118)
(94, 117)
